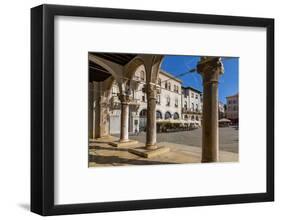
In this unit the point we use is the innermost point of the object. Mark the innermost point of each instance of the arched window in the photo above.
(176, 115)
(143, 113)
(192, 117)
(168, 115)
(158, 115)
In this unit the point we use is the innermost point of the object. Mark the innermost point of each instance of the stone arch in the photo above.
(159, 115)
(142, 119)
(168, 115)
(131, 67)
(152, 66)
(113, 68)
(176, 115)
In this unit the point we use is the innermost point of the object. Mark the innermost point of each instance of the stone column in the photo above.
(90, 111)
(151, 117)
(210, 68)
(124, 125)
(97, 109)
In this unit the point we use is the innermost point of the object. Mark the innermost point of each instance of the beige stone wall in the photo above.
(232, 111)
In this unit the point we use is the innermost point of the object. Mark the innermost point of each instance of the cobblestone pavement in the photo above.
(228, 138)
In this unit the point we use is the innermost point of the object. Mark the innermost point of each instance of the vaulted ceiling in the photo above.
(98, 73)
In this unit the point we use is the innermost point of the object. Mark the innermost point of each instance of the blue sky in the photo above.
(228, 82)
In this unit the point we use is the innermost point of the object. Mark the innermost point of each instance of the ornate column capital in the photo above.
(210, 68)
(151, 91)
(125, 99)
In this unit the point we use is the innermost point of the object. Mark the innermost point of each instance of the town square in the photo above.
(162, 109)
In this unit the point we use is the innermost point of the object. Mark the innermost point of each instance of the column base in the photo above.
(123, 143)
(151, 146)
(104, 139)
(209, 161)
(149, 153)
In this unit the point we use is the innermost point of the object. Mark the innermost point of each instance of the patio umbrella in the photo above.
(224, 120)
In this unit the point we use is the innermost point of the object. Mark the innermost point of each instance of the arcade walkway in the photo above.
(102, 154)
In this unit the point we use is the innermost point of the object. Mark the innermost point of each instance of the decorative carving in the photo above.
(125, 99)
(151, 91)
(210, 68)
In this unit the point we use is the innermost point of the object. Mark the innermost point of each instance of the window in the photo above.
(158, 100)
(185, 104)
(166, 85)
(192, 106)
(176, 89)
(176, 102)
(197, 107)
(168, 101)
(142, 75)
(158, 115)
(143, 89)
(143, 113)
(168, 115)
(169, 86)
(115, 90)
(196, 96)
(143, 98)
(192, 95)
(197, 118)
(176, 115)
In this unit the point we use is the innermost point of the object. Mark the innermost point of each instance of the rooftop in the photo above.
(170, 76)
(191, 88)
(232, 96)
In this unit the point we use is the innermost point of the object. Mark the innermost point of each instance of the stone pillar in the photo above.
(151, 117)
(97, 110)
(90, 111)
(124, 125)
(210, 68)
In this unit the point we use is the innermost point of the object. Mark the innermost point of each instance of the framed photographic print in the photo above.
(139, 109)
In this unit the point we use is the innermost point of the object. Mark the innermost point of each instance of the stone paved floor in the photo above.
(185, 147)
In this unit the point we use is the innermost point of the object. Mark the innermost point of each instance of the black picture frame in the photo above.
(42, 109)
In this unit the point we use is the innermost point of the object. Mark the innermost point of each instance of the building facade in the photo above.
(107, 68)
(232, 108)
(222, 109)
(168, 101)
(191, 104)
